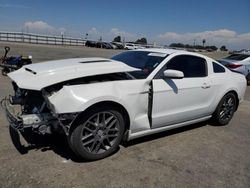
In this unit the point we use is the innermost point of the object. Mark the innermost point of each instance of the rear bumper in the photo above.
(13, 118)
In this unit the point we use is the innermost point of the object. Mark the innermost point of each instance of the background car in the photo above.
(113, 45)
(90, 43)
(130, 46)
(105, 45)
(108, 45)
(118, 45)
(239, 62)
(246, 51)
(102, 45)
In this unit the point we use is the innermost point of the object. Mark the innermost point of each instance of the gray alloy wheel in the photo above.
(225, 110)
(98, 134)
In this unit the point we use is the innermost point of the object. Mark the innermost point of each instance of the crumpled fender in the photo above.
(131, 94)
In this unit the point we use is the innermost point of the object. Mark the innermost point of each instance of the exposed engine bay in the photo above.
(31, 109)
(28, 109)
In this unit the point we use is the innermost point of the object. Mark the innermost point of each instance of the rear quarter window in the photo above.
(218, 68)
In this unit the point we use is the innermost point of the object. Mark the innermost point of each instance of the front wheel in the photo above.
(225, 110)
(97, 134)
(248, 79)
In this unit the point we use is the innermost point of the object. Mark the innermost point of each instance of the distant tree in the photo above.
(203, 42)
(223, 48)
(213, 47)
(187, 46)
(172, 45)
(141, 41)
(117, 39)
(177, 45)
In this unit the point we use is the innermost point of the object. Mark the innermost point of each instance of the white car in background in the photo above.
(98, 102)
(129, 46)
(239, 62)
(246, 51)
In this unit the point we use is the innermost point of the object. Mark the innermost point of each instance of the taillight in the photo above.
(234, 66)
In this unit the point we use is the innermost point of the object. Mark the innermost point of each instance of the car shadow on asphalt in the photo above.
(164, 134)
(27, 141)
(59, 145)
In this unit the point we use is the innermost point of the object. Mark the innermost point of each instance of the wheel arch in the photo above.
(236, 95)
(112, 104)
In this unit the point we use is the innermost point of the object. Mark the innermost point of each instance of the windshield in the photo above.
(238, 57)
(146, 61)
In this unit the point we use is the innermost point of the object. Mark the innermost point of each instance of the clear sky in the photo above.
(162, 21)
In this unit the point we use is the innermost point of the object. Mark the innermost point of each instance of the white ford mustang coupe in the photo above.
(98, 102)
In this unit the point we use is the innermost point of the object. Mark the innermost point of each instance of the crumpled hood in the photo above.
(40, 75)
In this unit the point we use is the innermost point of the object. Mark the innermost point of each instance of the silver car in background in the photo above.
(239, 62)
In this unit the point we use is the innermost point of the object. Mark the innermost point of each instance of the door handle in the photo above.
(205, 86)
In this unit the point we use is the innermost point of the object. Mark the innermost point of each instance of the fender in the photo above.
(94, 101)
(77, 98)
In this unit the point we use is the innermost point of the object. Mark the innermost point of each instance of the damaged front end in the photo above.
(32, 108)
(29, 109)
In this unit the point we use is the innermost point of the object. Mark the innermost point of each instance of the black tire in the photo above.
(225, 110)
(248, 79)
(91, 140)
(5, 71)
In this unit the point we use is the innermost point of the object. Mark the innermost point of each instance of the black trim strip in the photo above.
(150, 103)
(97, 61)
(29, 70)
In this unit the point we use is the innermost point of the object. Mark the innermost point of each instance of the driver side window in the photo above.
(191, 66)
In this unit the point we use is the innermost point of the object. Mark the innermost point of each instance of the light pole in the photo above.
(101, 41)
(203, 42)
(62, 33)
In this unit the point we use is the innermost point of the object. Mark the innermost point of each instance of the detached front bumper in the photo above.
(12, 117)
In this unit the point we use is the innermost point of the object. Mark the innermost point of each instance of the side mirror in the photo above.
(169, 73)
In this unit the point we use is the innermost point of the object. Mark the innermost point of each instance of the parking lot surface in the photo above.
(198, 155)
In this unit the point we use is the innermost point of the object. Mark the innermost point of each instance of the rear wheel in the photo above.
(225, 109)
(98, 133)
